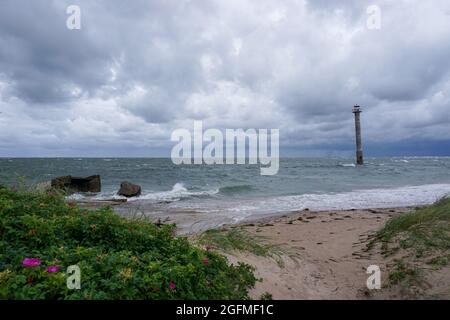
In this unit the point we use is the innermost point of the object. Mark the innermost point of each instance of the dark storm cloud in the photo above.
(44, 60)
(138, 69)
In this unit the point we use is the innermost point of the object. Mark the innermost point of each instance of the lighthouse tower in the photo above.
(359, 154)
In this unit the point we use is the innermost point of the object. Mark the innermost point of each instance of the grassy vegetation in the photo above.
(426, 230)
(405, 274)
(41, 235)
(238, 239)
(266, 296)
(423, 236)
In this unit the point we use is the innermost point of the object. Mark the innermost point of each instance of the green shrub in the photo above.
(118, 258)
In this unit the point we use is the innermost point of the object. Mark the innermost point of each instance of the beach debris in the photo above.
(158, 222)
(72, 185)
(96, 203)
(128, 189)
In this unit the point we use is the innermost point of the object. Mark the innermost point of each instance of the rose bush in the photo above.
(119, 259)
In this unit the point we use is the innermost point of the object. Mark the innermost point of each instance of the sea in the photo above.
(197, 197)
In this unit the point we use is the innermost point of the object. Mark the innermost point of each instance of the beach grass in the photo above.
(419, 241)
(237, 239)
(405, 274)
(425, 230)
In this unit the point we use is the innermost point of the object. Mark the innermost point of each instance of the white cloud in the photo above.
(138, 70)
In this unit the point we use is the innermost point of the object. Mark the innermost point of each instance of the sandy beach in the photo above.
(330, 256)
(331, 263)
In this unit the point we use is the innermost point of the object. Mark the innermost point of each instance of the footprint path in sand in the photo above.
(332, 247)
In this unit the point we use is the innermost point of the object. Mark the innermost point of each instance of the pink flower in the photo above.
(31, 262)
(172, 285)
(53, 269)
(205, 261)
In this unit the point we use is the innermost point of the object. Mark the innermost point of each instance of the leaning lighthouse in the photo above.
(359, 153)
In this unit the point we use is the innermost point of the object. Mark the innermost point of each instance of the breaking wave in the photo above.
(178, 192)
(359, 199)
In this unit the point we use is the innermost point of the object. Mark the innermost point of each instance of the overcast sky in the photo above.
(139, 69)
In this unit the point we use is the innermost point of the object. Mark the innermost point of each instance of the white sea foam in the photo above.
(177, 193)
(361, 199)
(219, 210)
(76, 196)
(402, 160)
(348, 165)
(240, 209)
